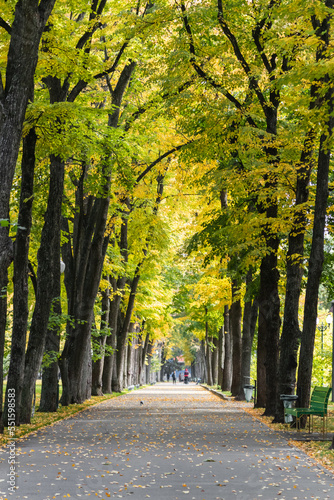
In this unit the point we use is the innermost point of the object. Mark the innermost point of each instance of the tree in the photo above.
(28, 24)
(321, 26)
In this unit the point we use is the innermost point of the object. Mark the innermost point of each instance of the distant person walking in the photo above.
(186, 376)
(174, 377)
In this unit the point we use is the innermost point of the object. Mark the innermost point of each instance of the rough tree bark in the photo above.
(221, 349)
(235, 323)
(29, 22)
(227, 371)
(208, 353)
(87, 268)
(122, 337)
(269, 327)
(247, 339)
(144, 353)
(123, 330)
(291, 334)
(50, 381)
(21, 249)
(269, 319)
(47, 272)
(215, 362)
(314, 274)
(97, 369)
(117, 287)
(317, 248)
(3, 318)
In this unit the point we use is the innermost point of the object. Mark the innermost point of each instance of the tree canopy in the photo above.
(176, 156)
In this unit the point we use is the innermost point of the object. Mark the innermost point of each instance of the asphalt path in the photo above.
(181, 442)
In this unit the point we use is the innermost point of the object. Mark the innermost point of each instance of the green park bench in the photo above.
(318, 407)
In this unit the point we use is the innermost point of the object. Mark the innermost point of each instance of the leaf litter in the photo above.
(184, 442)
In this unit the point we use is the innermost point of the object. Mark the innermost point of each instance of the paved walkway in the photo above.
(182, 442)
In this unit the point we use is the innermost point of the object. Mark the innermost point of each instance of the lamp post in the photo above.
(322, 328)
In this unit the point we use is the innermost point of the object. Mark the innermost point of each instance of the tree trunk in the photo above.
(227, 372)
(269, 327)
(246, 356)
(269, 301)
(203, 358)
(221, 349)
(125, 371)
(235, 321)
(290, 338)
(48, 272)
(315, 269)
(97, 369)
(208, 354)
(117, 287)
(318, 100)
(89, 248)
(3, 320)
(26, 31)
(131, 357)
(87, 268)
(21, 263)
(124, 328)
(50, 381)
(143, 358)
(215, 356)
(123, 333)
(163, 360)
(148, 362)
(324, 101)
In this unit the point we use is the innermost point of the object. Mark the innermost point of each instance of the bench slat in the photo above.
(318, 405)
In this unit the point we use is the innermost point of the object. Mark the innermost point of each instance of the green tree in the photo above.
(24, 27)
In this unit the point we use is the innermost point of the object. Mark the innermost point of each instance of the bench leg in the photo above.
(298, 424)
(324, 426)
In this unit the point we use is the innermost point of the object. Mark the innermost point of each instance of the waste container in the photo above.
(288, 402)
(248, 390)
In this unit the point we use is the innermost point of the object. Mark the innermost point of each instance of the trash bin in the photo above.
(288, 402)
(248, 390)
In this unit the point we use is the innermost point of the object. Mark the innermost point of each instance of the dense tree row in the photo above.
(120, 123)
(273, 146)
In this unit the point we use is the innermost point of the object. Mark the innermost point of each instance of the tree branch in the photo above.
(265, 25)
(94, 13)
(240, 106)
(87, 36)
(5, 26)
(252, 80)
(159, 159)
(112, 69)
(198, 69)
(151, 103)
(256, 32)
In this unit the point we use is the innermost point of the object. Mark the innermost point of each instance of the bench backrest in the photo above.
(319, 398)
